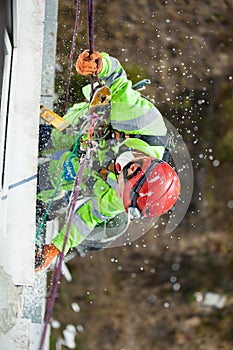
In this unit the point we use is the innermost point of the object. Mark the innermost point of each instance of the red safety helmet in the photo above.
(153, 190)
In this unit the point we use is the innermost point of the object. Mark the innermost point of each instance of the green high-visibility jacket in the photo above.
(130, 113)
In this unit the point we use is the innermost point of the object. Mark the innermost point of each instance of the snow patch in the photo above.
(75, 307)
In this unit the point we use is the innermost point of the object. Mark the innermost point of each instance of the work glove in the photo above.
(87, 64)
(44, 258)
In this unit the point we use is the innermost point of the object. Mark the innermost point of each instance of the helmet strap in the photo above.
(135, 190)
(125, 171)
(134, 212)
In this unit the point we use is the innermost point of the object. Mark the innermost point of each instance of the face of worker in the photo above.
(121, 184)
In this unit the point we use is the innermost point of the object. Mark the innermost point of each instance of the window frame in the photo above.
(4, 107)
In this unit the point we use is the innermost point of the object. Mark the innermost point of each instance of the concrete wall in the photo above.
(19, 124)
(21, 144)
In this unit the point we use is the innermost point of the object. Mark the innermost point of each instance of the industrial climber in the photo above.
(129, 172)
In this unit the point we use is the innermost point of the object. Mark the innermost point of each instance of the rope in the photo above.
(72, 54)
(91, 129)
(91, 25)
(58, 268)
(91, 41)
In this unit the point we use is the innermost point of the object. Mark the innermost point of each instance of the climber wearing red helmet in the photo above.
(149, 187)
(129, 173)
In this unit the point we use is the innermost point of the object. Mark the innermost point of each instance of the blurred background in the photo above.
(165, 291)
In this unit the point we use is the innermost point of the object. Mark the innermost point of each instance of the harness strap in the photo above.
(166, 141)
(153, 140)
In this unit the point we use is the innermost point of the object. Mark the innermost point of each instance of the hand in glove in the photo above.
(45, 258)
(89, 64)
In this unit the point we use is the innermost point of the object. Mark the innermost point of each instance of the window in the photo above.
(5, 88)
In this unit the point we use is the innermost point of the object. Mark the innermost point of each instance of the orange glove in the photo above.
(87, 64)
(44, 259)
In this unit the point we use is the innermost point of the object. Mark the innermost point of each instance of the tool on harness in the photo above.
(100, 108)
(99, 100)
(53, 119)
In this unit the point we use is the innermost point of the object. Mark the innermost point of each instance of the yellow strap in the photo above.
(53, 119)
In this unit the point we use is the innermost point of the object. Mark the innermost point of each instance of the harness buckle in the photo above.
(134, 213)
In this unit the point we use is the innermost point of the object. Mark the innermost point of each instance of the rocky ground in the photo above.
(154, 293)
